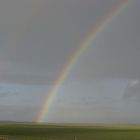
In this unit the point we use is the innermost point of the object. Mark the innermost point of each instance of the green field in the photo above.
(70, 132)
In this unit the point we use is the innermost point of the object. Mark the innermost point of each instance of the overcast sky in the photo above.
(37, 37)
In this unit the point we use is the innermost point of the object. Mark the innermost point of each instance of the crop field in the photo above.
(69, 132)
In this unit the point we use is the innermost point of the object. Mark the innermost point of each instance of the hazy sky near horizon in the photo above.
(36, 39)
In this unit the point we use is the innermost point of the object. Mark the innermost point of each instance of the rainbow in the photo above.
(74, 58)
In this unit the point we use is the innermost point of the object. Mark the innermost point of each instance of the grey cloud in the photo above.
(4, 94)
(95, 113)
(7, 94)
(18, 113)
(38, 37)
(114, 53)
(26, 79)
(132, 92)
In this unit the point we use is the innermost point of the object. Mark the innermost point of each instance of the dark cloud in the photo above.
(38, 37)
(114, 53)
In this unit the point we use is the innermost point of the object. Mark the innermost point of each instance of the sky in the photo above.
(37, 38)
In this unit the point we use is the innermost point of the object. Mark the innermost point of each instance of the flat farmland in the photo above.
(69, 132)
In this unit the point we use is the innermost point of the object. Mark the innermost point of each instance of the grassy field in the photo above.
(71, 132)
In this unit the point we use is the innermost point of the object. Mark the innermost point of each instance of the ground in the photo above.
(69, 132)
